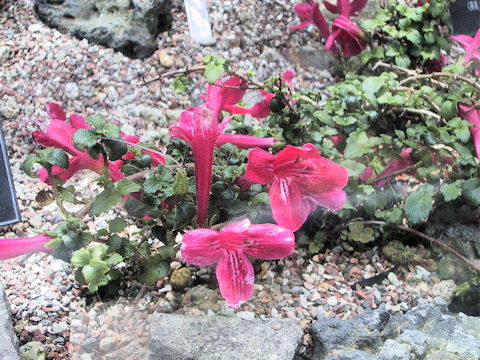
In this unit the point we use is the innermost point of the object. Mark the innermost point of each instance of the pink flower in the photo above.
(471, 46)
(301, 179)
(200, 127)
(308, 13)
(396, 166)
(230, 247)
(347, 35)
(367, 174)
(472, 115)
(344, 6)
(10, 248)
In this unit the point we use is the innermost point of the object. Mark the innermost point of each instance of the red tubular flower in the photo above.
(10, 248)
(472, 115)
(348, 35)
(471, 46)
(230, 247)
(301, 179)
(396, 165)
(200, 128)
(342, 5)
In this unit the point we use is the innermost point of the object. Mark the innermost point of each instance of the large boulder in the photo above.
(8, 339)
(128, 26)
(426, 332)
(183, 337)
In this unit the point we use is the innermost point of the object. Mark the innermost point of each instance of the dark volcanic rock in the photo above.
(128, 26)
(426, 332)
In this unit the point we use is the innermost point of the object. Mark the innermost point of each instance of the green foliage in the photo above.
(180, 84)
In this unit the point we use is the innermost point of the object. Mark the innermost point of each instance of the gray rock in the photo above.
(128, 26)
(446, 225)
(426, 332)
(71, 91)
(9, 107)
(181, 337)
(308, 56)
(5, 51)
(445, 289)
(8, 340)
(33, 350)
(152, 114)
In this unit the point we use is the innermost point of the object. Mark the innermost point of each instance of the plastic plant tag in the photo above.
(465, 16)
(9, 213)
(198, 22)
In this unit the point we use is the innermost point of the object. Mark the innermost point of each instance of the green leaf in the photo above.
(154, 272)
(180, 186)
(372, 84)
(28, 164)
(98, 251)
(115, 149)
(81, 257)
(184, 214)
(180, 84)
(68, 193)
(111, 130)
(402, 60)
(127, 186)
(117, 225)
(53, 244)
(414, 36)
(114, 259)
(355, 169)
(104, 202)
(359, 144)
(452, 191)
(84, 139)
(54, 156)
(96, 121)
(153, 184)
(418, 204)
(166, 252)
(213, 72)
(359, 233)
(471, 191)
(94, 271)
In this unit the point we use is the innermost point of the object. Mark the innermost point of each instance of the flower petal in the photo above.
(260, 166)
(268, 242)
(244, 141)
(235, 278)
(10, 248)
(77, 122)
(290, 208)
(473, 48)
(333, 200)
(55, 112)
(201, 247)
(59, 135)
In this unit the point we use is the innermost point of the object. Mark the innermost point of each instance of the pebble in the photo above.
(246, 315)
(107, 343)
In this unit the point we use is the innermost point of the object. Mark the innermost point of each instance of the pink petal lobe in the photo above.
(55, 112)
(331, 7)
(367, 174)
(260, 166)
(235, 278)
(396, 165)
(333, 200)
(10, 248)
(356, 6)
(473, 48)
(268, 242)
(472, 115)
(201, 247)
(244, 141)
(77, 122)
(319, 21)
(59, 135)
(290, 208)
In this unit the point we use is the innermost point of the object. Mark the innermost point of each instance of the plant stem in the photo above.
(56, 193)
(426, 237)
(419, 112)
(440, 75)
(402, 171)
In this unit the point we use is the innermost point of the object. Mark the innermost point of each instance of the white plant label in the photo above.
(198, 22)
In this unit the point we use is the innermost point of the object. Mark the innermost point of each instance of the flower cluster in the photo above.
(343, 31)
(300, 180)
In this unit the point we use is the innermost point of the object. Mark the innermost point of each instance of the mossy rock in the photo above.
(400, 254)
(181, 278)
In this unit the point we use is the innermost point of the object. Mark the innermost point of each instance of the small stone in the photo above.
(423, 274)
(164, 307)
(246, 315)
(166, 60)
(71, 91)
(9, 107)
(393, 279)
(107, 343)
(4, 53)
(181, 278)
(276, 326)
(332, 301)
(59, 328)
(33, 350)
(445, 289)
(393, 350)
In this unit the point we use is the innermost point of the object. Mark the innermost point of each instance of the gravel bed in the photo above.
(47, 66)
